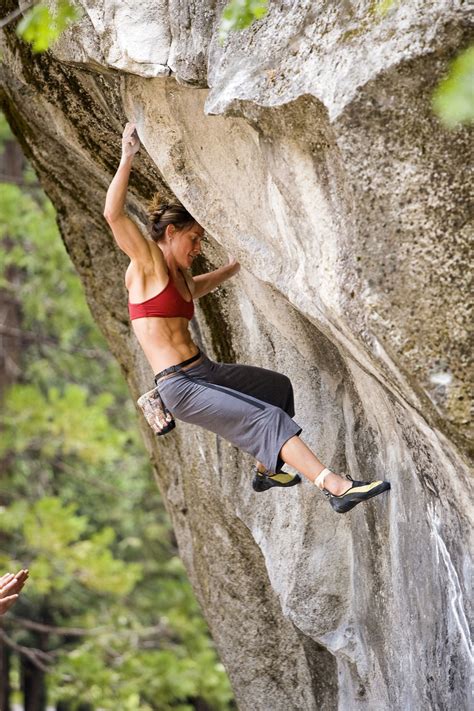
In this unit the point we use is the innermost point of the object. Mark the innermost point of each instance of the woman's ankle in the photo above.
(328, 480)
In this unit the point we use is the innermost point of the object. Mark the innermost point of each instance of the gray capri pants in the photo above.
(250, 407)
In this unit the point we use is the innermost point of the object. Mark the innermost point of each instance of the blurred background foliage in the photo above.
(43, 23)
(108, 619)
(453, 100)
(240, 14)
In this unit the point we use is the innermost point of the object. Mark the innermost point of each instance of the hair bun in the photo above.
(158, 205)
(163, 210)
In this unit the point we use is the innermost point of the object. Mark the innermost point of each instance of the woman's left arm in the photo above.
(204, 283)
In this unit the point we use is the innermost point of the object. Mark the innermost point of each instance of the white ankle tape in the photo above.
(319, 481)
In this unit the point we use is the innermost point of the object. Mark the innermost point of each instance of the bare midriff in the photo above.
(165, 341)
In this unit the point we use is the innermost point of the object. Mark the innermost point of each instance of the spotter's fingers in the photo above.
(7, 602)
(22, 575)
(5, 579)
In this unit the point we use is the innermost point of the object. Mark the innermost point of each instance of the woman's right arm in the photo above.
(126, 233)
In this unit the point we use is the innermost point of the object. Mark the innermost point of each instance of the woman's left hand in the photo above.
(205, 283)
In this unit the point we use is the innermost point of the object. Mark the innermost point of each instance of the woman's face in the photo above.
(186, 245)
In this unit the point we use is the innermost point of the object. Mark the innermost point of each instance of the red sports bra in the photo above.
(167, 304)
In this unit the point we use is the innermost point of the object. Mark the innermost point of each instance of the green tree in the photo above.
(240, 14)
(453, 100)
(43, 24)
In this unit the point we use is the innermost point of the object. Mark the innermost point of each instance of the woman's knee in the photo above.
(287, 387)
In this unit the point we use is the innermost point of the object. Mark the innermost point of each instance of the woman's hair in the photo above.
(165, 210)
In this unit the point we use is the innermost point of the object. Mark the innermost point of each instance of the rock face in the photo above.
(307, 148)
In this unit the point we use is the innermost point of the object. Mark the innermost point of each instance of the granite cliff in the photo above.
(306, 147)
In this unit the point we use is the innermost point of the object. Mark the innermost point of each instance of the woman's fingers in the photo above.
(234, 265)
(130, 140)
(130, 127)
(130, 131)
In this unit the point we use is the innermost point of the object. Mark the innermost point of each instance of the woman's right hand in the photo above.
(130, 140)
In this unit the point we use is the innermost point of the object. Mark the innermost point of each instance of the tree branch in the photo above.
(4, 178)
(36, 656)
(40, 627)
(78, 474)
(12, 332)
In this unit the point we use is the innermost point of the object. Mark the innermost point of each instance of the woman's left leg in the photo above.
(268, 386)
(276, 389)
(343, 494)
(298, 455)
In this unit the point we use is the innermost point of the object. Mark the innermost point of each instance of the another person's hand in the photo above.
(130, 140)
(10, 587)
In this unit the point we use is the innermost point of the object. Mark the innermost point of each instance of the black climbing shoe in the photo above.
(358, 492)
(266, 480)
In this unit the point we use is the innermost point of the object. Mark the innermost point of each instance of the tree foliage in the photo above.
(453, 100)
(78, 504)
(240, 14)
(42, 25)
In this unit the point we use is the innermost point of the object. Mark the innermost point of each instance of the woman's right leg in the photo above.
(261, 383)
(268, 386)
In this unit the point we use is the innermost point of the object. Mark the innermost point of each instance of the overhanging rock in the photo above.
(306, 147)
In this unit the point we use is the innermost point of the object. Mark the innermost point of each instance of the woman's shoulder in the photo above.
(153, 261)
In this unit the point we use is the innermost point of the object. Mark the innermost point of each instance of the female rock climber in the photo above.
(250, 407)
